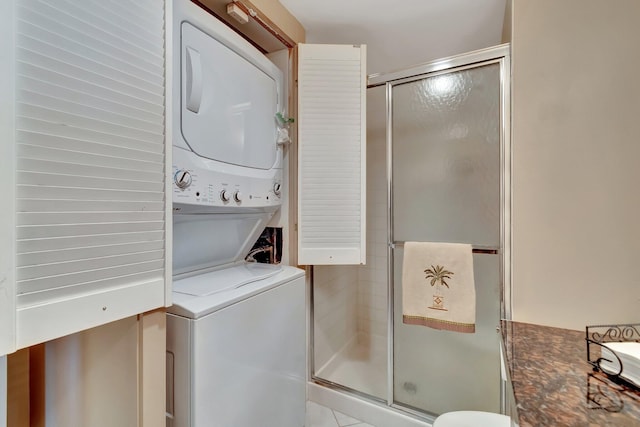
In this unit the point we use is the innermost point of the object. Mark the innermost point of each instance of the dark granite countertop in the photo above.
(553, 384)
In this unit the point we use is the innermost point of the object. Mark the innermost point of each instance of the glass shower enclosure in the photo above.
(438, 170)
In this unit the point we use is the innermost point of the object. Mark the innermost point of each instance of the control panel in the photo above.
(204, 182)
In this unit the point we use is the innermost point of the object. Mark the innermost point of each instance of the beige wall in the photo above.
(91, 377)
(110, 375)
(152, 368)
(507, 26)
(576, 155)
(280, 16)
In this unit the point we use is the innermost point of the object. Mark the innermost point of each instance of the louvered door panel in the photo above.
(7, 178)
(90, 164)
(331, 170)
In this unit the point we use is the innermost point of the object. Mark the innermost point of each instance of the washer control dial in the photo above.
(238, 196)
(224, 195)
(182, 178)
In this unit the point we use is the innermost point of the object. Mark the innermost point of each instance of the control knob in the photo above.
(182, 178)
(237, 196)
(277, 189)
(224, 195)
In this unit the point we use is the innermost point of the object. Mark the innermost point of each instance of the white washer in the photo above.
(236, 355)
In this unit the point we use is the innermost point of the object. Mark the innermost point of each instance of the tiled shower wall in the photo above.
(335, 310)
(372, 278)
(350, 302)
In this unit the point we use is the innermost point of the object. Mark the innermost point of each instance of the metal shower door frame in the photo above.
(494, 55)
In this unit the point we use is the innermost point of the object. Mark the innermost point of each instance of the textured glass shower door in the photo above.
(446, 186)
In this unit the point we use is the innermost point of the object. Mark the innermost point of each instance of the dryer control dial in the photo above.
(237, 196)
(182, 178)
(224, 195)
(277, 189)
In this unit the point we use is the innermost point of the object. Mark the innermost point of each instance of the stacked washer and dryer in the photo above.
(236, 332)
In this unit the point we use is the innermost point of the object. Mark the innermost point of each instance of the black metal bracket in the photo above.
(599, 335)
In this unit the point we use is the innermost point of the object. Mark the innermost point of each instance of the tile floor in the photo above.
(321, 416)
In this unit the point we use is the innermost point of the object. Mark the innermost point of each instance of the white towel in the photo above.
(437, 286)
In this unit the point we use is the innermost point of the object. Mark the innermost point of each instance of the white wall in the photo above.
(372, 277)
(335, 305)
(576, 121)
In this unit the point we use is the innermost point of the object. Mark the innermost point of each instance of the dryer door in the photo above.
(228, 104)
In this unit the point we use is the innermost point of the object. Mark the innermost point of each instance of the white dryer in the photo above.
(236, 332)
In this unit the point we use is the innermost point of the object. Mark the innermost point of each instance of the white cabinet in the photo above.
(7, 167)
(84, 166)
(331, 154)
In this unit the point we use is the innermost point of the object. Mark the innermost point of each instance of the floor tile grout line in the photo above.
(334, 417)
(345, 425)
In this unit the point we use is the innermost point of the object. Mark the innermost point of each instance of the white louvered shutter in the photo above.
(7, 187)
(331, 154)
(90, 162)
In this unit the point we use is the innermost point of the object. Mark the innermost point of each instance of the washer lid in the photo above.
(220, 291)
(226, 279)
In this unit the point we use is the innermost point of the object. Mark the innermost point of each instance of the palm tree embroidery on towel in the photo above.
(438, 274)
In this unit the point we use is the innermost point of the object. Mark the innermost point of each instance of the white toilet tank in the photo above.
(472, 419)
